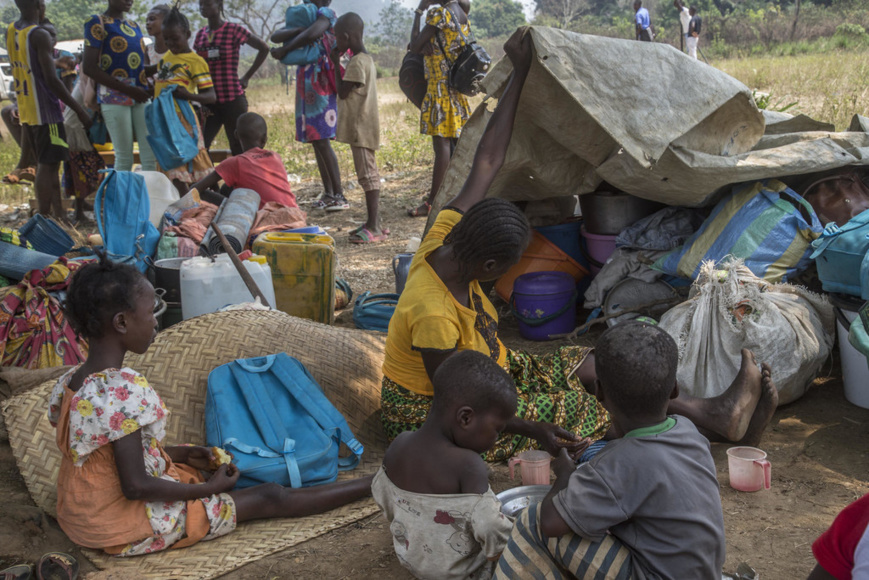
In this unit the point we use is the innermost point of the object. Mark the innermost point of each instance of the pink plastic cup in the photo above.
(534, 466)
(749, 469)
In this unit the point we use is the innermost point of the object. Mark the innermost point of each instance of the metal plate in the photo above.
(515, 500)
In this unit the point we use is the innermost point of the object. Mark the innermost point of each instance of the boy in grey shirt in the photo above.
(645, 507)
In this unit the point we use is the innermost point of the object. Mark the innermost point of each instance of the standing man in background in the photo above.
(684, 20)
(643, 22)
(693, 32)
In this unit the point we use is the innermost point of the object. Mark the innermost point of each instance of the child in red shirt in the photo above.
(842, 551)
(256, 168)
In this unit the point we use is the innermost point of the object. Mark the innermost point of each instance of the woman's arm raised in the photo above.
(492, 148)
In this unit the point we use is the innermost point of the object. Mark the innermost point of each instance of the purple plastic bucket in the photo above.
(600, 247)
(544, 304)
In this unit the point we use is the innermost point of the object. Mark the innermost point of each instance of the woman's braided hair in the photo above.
(176, 18)
(97, 292)
(493, 229)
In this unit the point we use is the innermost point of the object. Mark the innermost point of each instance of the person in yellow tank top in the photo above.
(37, 89)
(443, 309)
(189, 72)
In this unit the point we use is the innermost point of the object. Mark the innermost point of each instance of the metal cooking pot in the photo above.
(609, 212)
(167, 275)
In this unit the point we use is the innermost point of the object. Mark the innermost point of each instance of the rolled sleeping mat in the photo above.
(235, 218)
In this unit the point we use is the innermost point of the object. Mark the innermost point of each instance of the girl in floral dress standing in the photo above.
(317, 99)
(119, 489)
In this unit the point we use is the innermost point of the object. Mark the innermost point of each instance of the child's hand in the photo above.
(224, 479)
(564, 464)
(553, 439)
(199, 458)
(518, 48)
(182, 93)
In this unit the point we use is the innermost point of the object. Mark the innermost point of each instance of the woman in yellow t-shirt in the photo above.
(443, 309)
(189, 72)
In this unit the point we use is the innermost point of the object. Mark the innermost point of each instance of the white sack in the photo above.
(730, 309)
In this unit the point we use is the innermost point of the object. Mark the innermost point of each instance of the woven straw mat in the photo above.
(346, 363)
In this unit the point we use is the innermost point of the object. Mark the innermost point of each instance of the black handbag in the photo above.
(470, 68)
(411, 78)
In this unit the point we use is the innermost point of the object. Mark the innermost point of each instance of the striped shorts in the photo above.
(529, 554)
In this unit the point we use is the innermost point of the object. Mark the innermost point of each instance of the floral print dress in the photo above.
(316, 92)
(444, 110)
(109, 406)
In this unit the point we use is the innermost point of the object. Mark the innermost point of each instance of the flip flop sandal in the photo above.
(57, 566)
(12, 178)
(19, 572)
(364, 236)
(356, 230)
(416, 212)
(28, 174)
(338, 205)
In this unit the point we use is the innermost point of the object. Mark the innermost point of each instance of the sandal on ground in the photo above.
(28, 174)
(19, 572)
(337, 204)
(356, 230)
(365, 236)
(419, 211)
(57, 566)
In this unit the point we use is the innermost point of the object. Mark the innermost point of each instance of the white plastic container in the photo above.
(161, 194)
(208, 286)
(855, 371)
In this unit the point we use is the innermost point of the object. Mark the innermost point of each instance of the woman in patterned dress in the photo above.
(443, 309)
(114, 57)
(444, 110)
(317, 99)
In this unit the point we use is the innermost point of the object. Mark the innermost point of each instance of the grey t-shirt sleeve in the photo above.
(588, 504)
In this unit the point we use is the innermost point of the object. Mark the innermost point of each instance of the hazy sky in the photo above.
(529, 5)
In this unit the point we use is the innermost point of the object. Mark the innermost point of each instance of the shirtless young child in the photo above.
(433, 486)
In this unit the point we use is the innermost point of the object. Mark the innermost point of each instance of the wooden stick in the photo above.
(580, 329)
(245, 275)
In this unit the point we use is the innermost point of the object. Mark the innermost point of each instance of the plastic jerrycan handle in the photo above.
(511, 463)
(767, 472)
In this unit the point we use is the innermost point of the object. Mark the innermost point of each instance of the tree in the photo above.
(563, 11)
(393, 29)
(497, 17)
(69, 16)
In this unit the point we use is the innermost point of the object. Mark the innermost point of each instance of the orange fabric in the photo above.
(91, 507)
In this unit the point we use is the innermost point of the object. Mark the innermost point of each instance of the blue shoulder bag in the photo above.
(172, 144)
(270, 413)
(122, 210)
(374, 311)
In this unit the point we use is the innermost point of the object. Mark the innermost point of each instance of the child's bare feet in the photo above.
(764, 411)
(730, 412)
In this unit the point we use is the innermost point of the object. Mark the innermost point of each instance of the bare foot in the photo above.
(730, 412)
(764, 411)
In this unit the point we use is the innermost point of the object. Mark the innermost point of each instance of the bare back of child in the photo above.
(434, 485)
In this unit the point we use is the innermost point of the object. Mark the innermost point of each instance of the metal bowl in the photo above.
(515, 500)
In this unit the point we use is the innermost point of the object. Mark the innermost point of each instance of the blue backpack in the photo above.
(301, 16)
(270, 413)
(374, 311)
(122, 209)
(172, 144)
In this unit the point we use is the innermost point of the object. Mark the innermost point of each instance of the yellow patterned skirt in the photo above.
(546, 393)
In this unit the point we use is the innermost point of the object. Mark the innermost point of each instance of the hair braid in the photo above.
(493, 229)
(176, 18)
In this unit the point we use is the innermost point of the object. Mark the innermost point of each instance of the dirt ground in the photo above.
(817, 447)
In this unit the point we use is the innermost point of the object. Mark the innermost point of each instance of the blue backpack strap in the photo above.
(268, 421)
(323, 412)
(833, 231)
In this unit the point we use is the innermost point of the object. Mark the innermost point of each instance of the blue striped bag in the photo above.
(766, 224)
